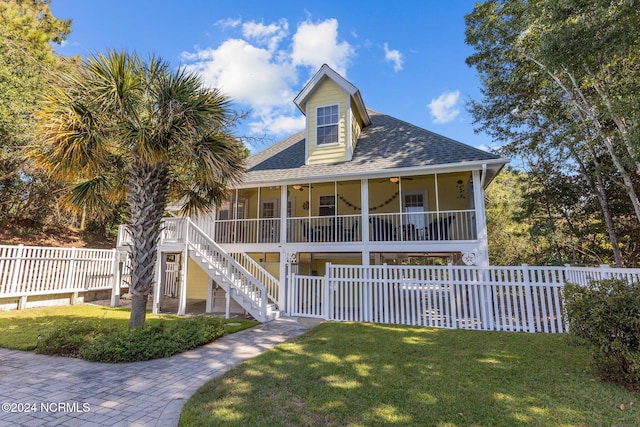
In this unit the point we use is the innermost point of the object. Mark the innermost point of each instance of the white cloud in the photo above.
(444, 108)
(245, 72)
(260, 68)
(277, 125)
(228, 23)
(315, 44)
(266, 35)
(393, 56)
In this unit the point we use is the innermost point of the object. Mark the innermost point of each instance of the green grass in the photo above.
(19, 330)
(348, 374)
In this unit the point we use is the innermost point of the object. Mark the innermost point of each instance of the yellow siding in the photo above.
(270, 261)
(250, 198)
(349, 198)
(453, 196)
(318, 265)
(383, 196)
(197, 281)
(327, 93)
(356, 127)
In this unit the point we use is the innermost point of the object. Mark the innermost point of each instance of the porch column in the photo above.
(284, 200)
(482, 257)
(182, 294)
(210, 296)
(367, 294)
(364, 202)
(158, 284)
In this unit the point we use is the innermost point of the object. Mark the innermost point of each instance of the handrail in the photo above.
(259, 272)
(241, 280)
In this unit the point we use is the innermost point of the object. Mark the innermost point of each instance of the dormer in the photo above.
(335, 114)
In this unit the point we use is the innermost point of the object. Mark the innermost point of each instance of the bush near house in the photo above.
(101, 334)
(606, 315)
(98, 342)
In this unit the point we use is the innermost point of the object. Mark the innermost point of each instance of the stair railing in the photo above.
(239, 278)
(259, 272)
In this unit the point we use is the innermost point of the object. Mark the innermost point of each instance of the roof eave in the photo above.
(493, 165)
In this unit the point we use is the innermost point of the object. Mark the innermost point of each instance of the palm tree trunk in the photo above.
(147, 200)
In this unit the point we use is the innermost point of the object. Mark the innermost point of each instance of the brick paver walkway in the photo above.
(37, 390)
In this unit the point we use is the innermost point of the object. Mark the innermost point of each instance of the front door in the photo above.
(413, 227)
(269, 221)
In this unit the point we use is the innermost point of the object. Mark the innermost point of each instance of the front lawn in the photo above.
(101, 333)
(357, 374)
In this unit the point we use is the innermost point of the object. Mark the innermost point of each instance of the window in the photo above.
(230, 210)
(327, 206)
(327, 129)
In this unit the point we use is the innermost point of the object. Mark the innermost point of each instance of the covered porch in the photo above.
(412, 208)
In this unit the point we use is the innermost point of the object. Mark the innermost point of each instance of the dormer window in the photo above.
(327, 128)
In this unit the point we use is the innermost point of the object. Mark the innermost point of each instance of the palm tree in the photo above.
(122, 127)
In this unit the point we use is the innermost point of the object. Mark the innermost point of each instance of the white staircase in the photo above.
(231, 275)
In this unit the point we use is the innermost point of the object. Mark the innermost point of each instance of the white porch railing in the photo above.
(485, 298)
(173, 231)
(386, 227)
(29, 270)
(264, 230)
(423, 226)
(322, 229)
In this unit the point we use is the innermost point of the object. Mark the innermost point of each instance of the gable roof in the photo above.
(388, 145)
(326, 72)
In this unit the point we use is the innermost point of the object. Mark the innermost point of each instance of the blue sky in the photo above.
(406, 57)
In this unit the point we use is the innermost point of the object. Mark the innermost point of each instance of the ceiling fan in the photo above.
(300, 187)
(396, 179)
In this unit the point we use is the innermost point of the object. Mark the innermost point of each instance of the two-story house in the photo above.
(355, 186)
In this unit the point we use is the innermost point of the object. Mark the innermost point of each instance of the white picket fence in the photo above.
(521, 298)
(28, 271)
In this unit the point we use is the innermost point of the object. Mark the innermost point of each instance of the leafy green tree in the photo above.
(559, 79)
(544, 218)
(27, 29)
(124, 126)
(508, 236)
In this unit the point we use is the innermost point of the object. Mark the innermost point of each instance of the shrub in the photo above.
(606, 314)
(70, 337)
(163, 338)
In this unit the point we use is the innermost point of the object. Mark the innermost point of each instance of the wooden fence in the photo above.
(27, 271)
(521, 298)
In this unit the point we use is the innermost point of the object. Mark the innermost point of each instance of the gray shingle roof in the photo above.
(387, 144)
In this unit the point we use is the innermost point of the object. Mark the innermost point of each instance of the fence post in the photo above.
(566, 274)
(605, 271)
(365, 292)
(285, 290)
(489, 315)
(71, 282)
(116, 270)
(292, 293)
(328, 292)
(17, 270)
(384, 294)
(453, 313)
(528, 295)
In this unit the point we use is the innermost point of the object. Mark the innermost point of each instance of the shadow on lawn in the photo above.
(364, 374)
